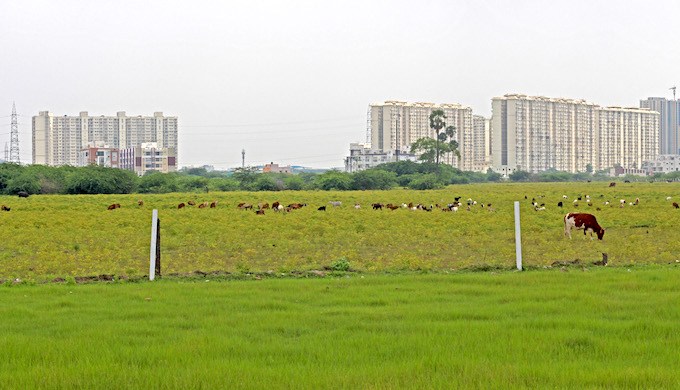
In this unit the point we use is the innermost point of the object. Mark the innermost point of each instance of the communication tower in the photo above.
(14, 137)
(243, 158)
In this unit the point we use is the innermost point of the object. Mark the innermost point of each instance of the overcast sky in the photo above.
(291, 81)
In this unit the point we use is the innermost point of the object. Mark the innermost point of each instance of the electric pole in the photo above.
(14, 137)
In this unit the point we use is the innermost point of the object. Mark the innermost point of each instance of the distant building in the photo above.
(57, 140)
(537, 133)
(98, 154)
(618, 171)
(665, 163)
(148, 157)
(481, 144)
(669, 131)
(275, 168)
(394, 125)
(362, 157)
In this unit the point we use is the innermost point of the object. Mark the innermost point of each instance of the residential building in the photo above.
(148, 157)
(537, 133)
(275, 168)
(57, 140)
(393, 126)
(98, 154)
(481, 143)
(669, 132)
(362, 157)
(664, 163)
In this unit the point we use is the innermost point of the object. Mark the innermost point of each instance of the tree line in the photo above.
(40, 179)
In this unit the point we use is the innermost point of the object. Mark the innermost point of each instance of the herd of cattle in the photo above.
(572, 220)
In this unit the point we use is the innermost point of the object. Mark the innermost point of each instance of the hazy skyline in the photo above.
(291, 82)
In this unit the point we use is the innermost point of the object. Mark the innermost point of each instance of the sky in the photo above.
(290, 81)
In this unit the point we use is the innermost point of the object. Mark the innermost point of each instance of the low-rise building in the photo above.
(148, 157)
(665, 163)
(362, 157)
(98, 153)
(275, 168)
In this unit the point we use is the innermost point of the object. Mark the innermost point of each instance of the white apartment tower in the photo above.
(57, 140)
(536, 133)
(669, 132)
(481, 143)
(395, 125)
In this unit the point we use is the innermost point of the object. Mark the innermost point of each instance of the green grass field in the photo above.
(44, 237)
(598, 328)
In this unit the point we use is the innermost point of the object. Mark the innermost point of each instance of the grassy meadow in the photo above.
(49, 236)
(610, 327)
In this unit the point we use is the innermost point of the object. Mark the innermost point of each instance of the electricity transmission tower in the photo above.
(14, 137)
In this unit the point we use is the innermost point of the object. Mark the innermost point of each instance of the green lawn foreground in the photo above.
(570, 328)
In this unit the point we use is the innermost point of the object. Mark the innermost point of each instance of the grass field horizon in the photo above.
(58, 236)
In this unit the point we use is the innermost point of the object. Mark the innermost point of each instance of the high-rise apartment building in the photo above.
(669, 134)
(57, 140)
(395, 125)
(481, 143)
(536, 133)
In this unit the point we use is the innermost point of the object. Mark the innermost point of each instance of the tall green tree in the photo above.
(437, 124)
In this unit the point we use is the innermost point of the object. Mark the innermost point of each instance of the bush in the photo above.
(425, 182)
(341, 264)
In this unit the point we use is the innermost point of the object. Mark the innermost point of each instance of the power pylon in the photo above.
(14, 137)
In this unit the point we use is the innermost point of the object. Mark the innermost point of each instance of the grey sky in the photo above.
(290, 81)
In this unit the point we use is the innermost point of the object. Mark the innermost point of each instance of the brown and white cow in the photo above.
(584, 221)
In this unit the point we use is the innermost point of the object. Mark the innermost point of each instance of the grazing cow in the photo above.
(245, 206)
(669, 197)
(626, 181)
(213, 204)
(191, 203)
(322, 208)
(357, 206)
(295, 206)
(140, 202)
(335, 203)
(276, 205)
(565, 197)
(612, 184)
(377, 206)
(262, 205)
(203, 205)
(22, 194)
(675, 205)
(5, 208)
(259, 212)
(584, 221)
(392, 206)
(559, 204)
(114, 206)
(181, 205)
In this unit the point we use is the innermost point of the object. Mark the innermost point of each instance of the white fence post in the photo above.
(518, 238)
(154, 245)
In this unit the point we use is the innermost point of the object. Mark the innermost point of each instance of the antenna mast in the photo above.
(673, 89)
(14, 137)
(243, 158)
